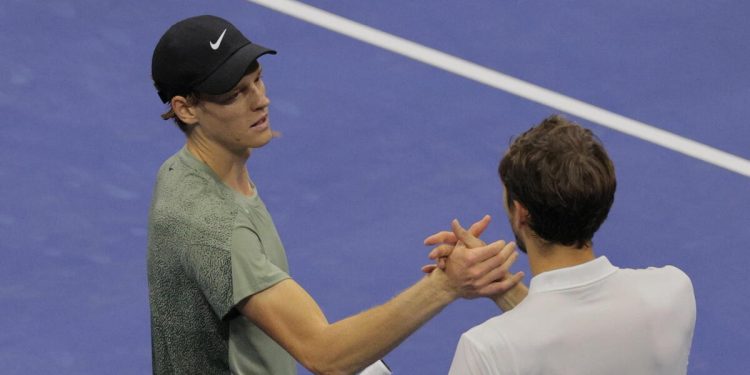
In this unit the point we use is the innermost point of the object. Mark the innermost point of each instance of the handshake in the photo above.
(467, 267)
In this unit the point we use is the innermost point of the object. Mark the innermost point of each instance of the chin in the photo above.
(262, 141)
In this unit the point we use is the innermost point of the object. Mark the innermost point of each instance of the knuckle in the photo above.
(474, 275)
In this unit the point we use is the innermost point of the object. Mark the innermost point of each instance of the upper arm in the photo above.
(255, 267)
(288, 314)
(226, 273)
(264, 293)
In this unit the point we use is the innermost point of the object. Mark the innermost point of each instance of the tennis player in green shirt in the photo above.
(221, 297)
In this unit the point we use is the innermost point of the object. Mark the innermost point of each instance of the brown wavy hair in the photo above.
(562, 174)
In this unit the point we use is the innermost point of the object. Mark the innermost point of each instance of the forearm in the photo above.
(353, 343)
(289, 314)
(508, 300)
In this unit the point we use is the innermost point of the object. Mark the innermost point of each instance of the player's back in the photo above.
(588, 319)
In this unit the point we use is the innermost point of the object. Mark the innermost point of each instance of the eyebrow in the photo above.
(240, 86)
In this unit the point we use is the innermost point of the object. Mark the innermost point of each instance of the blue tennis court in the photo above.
(378, 151)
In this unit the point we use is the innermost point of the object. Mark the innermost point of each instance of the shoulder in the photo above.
(679, 281)
(676, 276)
(666, 289)
(493, 333)
(188, 200)
(178, 180)
(180, 186)
(667, 277)
(484, 349)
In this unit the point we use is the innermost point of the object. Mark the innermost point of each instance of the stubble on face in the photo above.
(519, 242)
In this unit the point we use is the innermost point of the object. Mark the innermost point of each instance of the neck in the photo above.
(548, 257)
(229, 166)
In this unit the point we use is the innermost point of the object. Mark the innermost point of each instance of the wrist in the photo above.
(442, 287)
(508, 300)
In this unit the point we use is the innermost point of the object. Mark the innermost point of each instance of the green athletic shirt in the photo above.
(209, 247)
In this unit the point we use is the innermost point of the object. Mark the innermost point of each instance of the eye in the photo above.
(228, 98)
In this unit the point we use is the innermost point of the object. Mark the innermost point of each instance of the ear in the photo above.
(520, 214)
(185, 111)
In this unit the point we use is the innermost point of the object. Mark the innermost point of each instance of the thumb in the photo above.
(478, 228)
(464, 236)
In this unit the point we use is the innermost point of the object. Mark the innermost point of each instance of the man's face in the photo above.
(519, 241)
(238, 119)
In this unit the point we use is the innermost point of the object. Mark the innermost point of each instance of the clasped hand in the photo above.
(473, 268)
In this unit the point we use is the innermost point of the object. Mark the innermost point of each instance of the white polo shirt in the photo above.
(593, 318)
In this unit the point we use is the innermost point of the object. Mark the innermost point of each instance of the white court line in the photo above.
(509, 84)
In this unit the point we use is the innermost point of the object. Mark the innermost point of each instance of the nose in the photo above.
(263, 102)
(260, 99)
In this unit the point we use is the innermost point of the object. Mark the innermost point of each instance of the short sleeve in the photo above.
(252, 269)
(470, 359)
(227, 277)
(466, 360)
(210, 267)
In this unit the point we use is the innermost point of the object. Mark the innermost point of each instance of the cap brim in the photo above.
(231, 72)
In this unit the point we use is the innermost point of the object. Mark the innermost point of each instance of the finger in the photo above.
(508, 250)
(485, 253)
(497, 274)
(441, 251)
(441, 263)
(491, 269)
(512, 257)
(501, 286)
(492, 276)
(464, 236)
(478, 228)
(441, 237)
(428, 268)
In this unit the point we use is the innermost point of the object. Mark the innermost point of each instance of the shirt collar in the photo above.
(571, 277)
(193, 162)
(196, 164)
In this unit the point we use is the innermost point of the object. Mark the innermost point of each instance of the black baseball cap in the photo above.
(205, 54)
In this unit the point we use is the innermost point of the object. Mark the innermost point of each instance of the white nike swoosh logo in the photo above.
(215, 45)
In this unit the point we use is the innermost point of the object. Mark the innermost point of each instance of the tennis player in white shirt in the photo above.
(582, 315)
